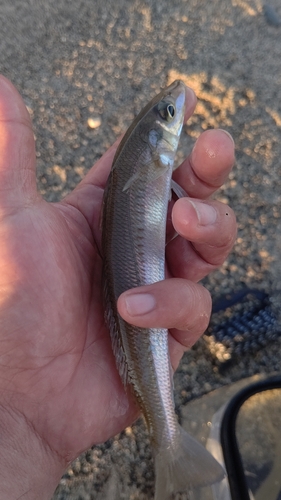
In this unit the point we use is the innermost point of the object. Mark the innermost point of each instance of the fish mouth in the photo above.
(177, 89)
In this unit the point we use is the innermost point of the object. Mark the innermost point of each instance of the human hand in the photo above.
(59, 388)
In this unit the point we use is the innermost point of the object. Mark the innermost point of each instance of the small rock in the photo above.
(271, 15)
(94, 122)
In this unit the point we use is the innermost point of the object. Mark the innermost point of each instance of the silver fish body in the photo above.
(133, 241)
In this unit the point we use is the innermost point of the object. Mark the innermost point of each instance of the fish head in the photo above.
(163, 123)
(155, 134)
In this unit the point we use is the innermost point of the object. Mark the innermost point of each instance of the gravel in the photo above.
(85, 69)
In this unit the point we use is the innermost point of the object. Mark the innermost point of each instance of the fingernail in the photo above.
(228, 135)
(206, 214)
(141, 303)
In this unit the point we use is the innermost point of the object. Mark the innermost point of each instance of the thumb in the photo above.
(17, 151)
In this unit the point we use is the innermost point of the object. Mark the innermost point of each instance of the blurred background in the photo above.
(85, 68)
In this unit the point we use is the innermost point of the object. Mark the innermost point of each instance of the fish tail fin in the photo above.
(184, 466)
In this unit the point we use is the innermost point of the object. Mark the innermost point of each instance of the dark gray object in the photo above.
(271, 15)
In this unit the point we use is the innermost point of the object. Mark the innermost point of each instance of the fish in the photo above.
(134, 218)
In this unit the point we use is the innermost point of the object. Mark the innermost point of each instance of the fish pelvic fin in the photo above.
(183, 467)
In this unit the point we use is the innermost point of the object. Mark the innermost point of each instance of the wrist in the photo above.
(28, 468)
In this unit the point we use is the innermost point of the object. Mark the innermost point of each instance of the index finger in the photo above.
(208, 165)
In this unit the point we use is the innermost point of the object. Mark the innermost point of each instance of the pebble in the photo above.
(94, 122)
(271, 15)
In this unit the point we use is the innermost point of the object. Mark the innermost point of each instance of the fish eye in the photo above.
(171, 110)
(167, 111)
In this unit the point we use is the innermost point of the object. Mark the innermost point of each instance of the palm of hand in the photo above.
(57, 371)
(53, 336)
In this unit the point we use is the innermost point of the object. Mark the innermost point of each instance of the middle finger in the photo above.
(210, 228)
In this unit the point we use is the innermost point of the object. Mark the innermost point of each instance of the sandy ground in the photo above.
(83, 60)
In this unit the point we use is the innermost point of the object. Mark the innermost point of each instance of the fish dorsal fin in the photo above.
(116, 341)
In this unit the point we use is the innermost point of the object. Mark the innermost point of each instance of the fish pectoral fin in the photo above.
(172, 383)
(180, 193)
(158, 170)
(178, 190)
(131, 181)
